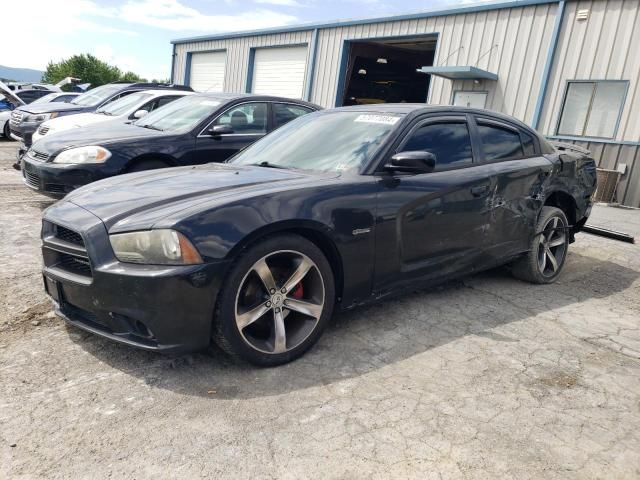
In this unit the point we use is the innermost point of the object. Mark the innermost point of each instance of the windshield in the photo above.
(181, 115)
(47, 98)
(325, 142)
(122, 106)
(97, 95)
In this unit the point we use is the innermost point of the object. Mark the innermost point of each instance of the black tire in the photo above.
(6, 132)
(151, 164)
(532, 267)
(226, 332)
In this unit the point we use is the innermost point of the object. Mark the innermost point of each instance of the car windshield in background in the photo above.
(325, 142)
(181, 115)
(45, 99)
(122, 106)
(97, 95)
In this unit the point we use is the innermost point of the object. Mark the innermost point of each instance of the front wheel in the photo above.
(548, 249)
(276, 301)
(6, 132)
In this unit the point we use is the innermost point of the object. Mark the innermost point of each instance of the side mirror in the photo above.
(412, 162)
(218, 130)
(140, 113)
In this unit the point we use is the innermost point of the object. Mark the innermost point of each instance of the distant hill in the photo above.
(20, 74)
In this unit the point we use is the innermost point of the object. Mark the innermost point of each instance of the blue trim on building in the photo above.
(173, 64)
(249, 82)
(546, 73)
(311, 66)
(394, 18)
(187, 69)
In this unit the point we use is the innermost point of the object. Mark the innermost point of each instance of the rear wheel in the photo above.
(276, 301)
(548, 249)
(146, 165)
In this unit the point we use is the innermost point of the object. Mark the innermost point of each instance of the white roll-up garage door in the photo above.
(279, 71)
(207, 71)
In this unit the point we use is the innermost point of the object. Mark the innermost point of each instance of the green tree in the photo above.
(89, 69)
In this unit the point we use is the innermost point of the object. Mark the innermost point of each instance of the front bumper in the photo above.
(56, 180)
(23, 131)
(160, 308)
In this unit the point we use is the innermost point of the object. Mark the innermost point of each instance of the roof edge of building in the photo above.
(479, 7)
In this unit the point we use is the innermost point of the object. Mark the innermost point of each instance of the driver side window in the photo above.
(249, 118)
(448, 141)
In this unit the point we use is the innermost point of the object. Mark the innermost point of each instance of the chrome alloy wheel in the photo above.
(552, 246)
(279, 302)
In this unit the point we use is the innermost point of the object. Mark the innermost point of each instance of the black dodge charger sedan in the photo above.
(336, 209)
(192, 130)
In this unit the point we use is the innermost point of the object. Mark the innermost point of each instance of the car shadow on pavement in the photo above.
(370, 338)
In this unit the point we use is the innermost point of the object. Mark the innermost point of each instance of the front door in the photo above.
(249, 122)
(434, 224)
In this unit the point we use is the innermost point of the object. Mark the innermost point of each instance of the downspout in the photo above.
(535, 123)
(311, 71)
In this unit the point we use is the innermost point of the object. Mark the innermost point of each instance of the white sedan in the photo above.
(133, 106)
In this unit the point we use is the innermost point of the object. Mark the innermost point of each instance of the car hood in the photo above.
(103, 133)
(140, 200)
(76, 121)
(53, 107)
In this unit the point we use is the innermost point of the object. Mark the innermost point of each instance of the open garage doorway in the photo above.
(384, 71)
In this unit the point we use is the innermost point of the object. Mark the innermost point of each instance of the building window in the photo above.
(592, 109)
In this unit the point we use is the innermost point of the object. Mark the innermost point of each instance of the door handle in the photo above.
(480, 190)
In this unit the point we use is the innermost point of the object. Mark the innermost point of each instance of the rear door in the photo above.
(249, 121)
(433, 224)
(514, 158)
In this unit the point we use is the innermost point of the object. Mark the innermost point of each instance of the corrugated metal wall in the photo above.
(604, 47)
(501, 41)
(237, 55)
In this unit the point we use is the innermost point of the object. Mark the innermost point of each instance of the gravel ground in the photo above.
(482, 378)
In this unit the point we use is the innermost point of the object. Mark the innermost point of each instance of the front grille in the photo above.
(16, 118)
(43, 130)
(74, 264)
(64, 250)
(32, 179)
(68, 236)
(36, 155)
(15, 132)
(55, 188)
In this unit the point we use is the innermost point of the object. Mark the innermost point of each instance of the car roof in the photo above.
(419, 108)
(158, 93)
(229, 97)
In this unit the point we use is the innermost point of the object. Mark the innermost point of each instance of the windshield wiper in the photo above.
(104, 112)
(150, 127)
(269, 165)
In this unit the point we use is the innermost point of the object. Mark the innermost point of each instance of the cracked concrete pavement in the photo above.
(486, 377)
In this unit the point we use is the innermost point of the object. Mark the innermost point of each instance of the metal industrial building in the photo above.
(569, 68)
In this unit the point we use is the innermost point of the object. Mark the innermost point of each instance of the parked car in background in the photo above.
(196, 129)
(338, 208)
(17, 98)
(130, 107)
(25, 120)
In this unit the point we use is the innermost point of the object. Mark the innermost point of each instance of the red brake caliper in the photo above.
(298, 291)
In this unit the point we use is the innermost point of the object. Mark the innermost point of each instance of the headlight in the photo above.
(155, 247)
(83, 155)
(39, 117)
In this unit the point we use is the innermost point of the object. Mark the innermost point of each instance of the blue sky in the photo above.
(135, 34)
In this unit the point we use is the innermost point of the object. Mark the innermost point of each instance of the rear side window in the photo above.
(284, 113)
(528, 145)
(449, 142)
(500, 143)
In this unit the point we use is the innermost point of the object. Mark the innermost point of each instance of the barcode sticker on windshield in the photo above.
(384, 119)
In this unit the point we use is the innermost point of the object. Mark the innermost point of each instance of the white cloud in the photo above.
(283, 3)
(173, 15)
